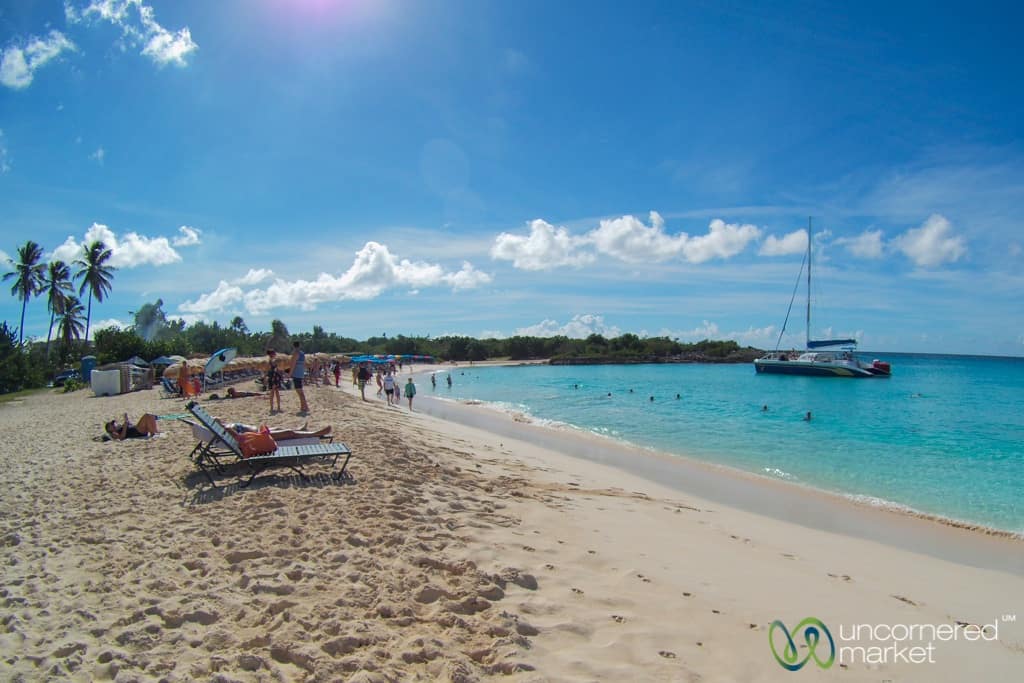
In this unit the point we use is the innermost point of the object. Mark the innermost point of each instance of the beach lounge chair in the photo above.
(211, 455)
(209, 451)
(170, 388)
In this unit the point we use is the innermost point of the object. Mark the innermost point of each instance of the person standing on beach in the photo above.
(449, 380)
(298, 373)
(337, 374)
(363, 377)
(273, 381)
(410, 391)
(184, 380)
(433, 380)
(389, 388)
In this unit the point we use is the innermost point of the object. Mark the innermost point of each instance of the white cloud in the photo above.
(18, 65)
(467, 277)
(255, 276)
(219, 299)
(793, 243)
(932, 244)
(706, 330)
(626, 238)
(5, 164)
(723, 240)
(67, 252)
(580, 327)
(98, 156)
(546, 247)
(130, 251)
(868, 244)
(165, 47)
(138, 25)
(187, 237)
(374, 270)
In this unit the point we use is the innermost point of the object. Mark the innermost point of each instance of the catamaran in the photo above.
(838, 359)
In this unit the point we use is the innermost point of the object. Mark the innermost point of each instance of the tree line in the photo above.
(153, 334)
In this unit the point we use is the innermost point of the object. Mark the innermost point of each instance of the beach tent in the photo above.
(136, 360)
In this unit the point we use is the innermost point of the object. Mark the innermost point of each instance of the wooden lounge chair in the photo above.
(211, 455)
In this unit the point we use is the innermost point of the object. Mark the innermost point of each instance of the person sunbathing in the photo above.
(233, 393)
(144, 428)
(278, 434)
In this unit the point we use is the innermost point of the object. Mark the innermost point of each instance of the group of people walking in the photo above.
(386, 384)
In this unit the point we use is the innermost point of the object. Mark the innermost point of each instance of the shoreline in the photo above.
(888, 522)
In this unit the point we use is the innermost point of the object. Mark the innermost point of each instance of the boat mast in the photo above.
(808, 338)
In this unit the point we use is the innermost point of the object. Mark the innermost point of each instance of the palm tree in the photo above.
(69, 323)
(95, 275)
(28, 277)
(57, 287)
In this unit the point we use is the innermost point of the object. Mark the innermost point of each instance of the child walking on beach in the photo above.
(410, 391)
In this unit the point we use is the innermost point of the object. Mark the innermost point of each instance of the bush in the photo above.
(74, 385)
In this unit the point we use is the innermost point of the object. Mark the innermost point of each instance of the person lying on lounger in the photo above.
(279, 434)
(144, 428)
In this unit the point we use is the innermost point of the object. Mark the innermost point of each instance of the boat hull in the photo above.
(813, 369)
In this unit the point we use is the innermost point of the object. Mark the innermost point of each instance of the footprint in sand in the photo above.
(643, 578)
(592, 552)
(618, 618)
(549, 566)
(529, 549)
(667, 654)
(687, 595)
(577, 591)
(714, 611)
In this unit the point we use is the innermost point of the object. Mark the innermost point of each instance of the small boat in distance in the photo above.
(841, 361)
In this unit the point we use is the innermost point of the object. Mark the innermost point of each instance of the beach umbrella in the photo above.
(163, 360)
(219, 359)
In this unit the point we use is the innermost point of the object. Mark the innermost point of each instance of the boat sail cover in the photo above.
(822, 343)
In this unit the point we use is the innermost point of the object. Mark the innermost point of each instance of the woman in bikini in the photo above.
(144, 428)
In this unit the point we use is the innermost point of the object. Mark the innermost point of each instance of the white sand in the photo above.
(457, 554)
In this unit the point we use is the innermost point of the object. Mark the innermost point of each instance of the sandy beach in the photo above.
(460, 550)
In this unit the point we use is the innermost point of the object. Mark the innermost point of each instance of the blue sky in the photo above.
(500, 168)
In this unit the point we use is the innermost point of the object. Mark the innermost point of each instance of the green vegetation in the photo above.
(28, 364)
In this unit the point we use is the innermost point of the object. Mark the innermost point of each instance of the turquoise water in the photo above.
(943, 436)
